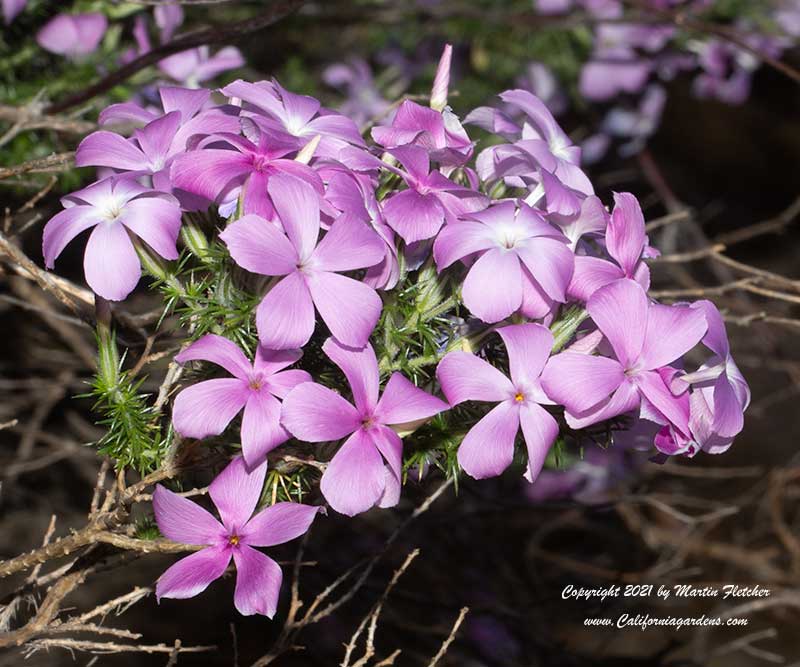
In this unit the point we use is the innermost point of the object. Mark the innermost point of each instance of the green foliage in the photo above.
(208, 294)
(133, 438)
(146, 529)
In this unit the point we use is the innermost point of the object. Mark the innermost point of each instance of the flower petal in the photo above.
(192, 575)
(315, 413)
(551, 262)
(413, 216)
(671, 332)
(181, 520)
(361, 370)
(255, 200)
(108, 149)
(110, 262)
(624, 399)
(466, 377)
(218, 350)
(236, 491)
(349, 244)
(354, 479)
(285, 316)
(156, 137)
(528, 348)
(210, 174)
(390, 446)
(590, 274)
(206, 408)
(260, 247)
(258, 582)
(581, 381)
(404, 402)
(280, 384)
(350, 308)
(674, 408)
(279, 523)
(297, 204)
(63, 227)
(625, 237)
(460, 239)
(716, 338)
(261, 427)
(620, 311)
(156, 221)
(271, 361)
(488, 449)
(540, 430)
(493, 287)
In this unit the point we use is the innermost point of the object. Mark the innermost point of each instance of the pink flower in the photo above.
(645, 338)
(626, 243)
(235, 492)
(215, 172)
(72, 35)
(300, 116)
(488, 448)
(431, 199)
(356, 478)
(153, 147)
(523, 262)
(207, 407)
(439, 133)
(719, 392)
(115, 207)
(285, 317)
(193, 67)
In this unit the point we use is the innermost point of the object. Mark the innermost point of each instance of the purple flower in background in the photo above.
(720, 394)
(299, 116)
(169, 17)
(617, 65)
(488, 448)
(540, 80)
(214, 172)
(11, 8)
(363, 101)
(524, 262)
(356, 478)
(235, 493)
(626, 243)
(193, 67)
(431, 199)
(115, 207)
(285, 317)
(206, 408)
(637, 125)
(72, 35)
(645, 338)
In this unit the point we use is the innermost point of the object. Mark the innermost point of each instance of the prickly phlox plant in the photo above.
(356, 309)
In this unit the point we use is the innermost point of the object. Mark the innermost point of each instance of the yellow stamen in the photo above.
(519, 397)
(234, 540)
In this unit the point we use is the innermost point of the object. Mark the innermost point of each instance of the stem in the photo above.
(563, 330)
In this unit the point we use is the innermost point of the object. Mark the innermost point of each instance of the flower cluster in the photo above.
(635, 50)
(330, 233)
